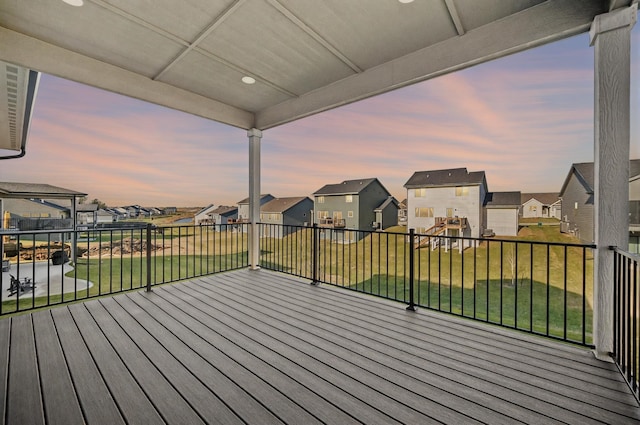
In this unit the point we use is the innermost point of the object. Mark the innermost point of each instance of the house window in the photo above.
(449, 212)
(350, 214)
(533, 208)
(575, 206)
(261, 217)
(321, 199)
(337, 215)
(349, 198)
(421, 230)
(323, 214)
(424, 212)
(420, 193)
(462, 191)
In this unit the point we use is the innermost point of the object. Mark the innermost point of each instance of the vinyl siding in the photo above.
(580, 219)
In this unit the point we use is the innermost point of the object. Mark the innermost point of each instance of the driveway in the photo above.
(49, 279)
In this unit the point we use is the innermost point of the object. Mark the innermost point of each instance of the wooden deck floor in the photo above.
(264, 348)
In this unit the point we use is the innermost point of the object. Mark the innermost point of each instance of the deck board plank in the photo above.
(203, 400)
(201, 356)
(437, 330)
(96, 401)
(265, 370)
(24, 399)
(260, 347)
(166, 400)
(5, 335)
(131, 399)
(469, 393)
(60, 402)
(357, 380)
(375, 337)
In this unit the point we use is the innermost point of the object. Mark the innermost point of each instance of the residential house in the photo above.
(541, 205)
(448, 202)
(285, 212)
(222, 215)
(37, 214)
(105, 216)
(577, 195)
(169, 210)
(351, 204)
(387, 214)
(243, 207)
(402, 213)
(502, 211)
(204, 215)
(86, 215)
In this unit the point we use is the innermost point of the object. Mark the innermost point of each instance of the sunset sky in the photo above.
(523, 119)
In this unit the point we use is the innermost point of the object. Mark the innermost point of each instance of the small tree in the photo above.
(99, 203)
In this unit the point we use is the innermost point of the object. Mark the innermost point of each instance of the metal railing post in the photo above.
(148, 257)
(412, 306)
(315, 254)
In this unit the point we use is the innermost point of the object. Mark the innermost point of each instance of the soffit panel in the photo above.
(370, 35)
(274, 49)
(199, 74)
(93, 31)
(185, 22)
(474, 13)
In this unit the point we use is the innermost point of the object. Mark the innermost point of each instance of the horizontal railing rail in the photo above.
(544, 288)
(44, 268)
(626, 333)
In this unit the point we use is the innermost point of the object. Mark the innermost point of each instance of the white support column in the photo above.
(611, 38)
(254, 197)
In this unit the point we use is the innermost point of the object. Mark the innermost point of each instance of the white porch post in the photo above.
(610, 36)
(254, 197)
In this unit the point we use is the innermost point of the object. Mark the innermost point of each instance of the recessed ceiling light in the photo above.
(248, 80)
(74, 2)
(405, 1)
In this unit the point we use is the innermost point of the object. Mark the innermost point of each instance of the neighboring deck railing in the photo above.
(626, 302)
(538, 287)
(47, 271)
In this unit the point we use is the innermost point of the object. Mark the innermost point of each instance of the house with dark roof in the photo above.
(577, 194)
(457, 202)
(351, 205)
(501, 212)
(448, 202)
(541, 205)
(243, 207)
(222, 215)
(203, 216)
(283, 216)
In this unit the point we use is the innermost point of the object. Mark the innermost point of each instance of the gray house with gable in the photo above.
(285, 214)
(352, 204)
(577, 194)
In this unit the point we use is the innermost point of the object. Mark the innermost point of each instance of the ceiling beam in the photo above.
(32, 53)
(313, 34)
(204, 34)
(455, 17)
(561, 19)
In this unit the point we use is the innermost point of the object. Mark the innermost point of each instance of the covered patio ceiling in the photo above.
(306, 56)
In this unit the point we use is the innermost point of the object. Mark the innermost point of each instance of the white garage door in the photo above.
(503, 221)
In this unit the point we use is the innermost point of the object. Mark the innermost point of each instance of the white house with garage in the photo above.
(457, 202)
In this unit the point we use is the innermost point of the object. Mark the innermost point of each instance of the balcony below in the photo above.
(264, 347)
(335, 223)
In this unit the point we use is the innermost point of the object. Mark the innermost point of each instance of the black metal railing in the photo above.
(44, 268)
(626, 302)
(537, 287)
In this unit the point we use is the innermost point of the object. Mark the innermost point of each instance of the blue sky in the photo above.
(523, 119)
